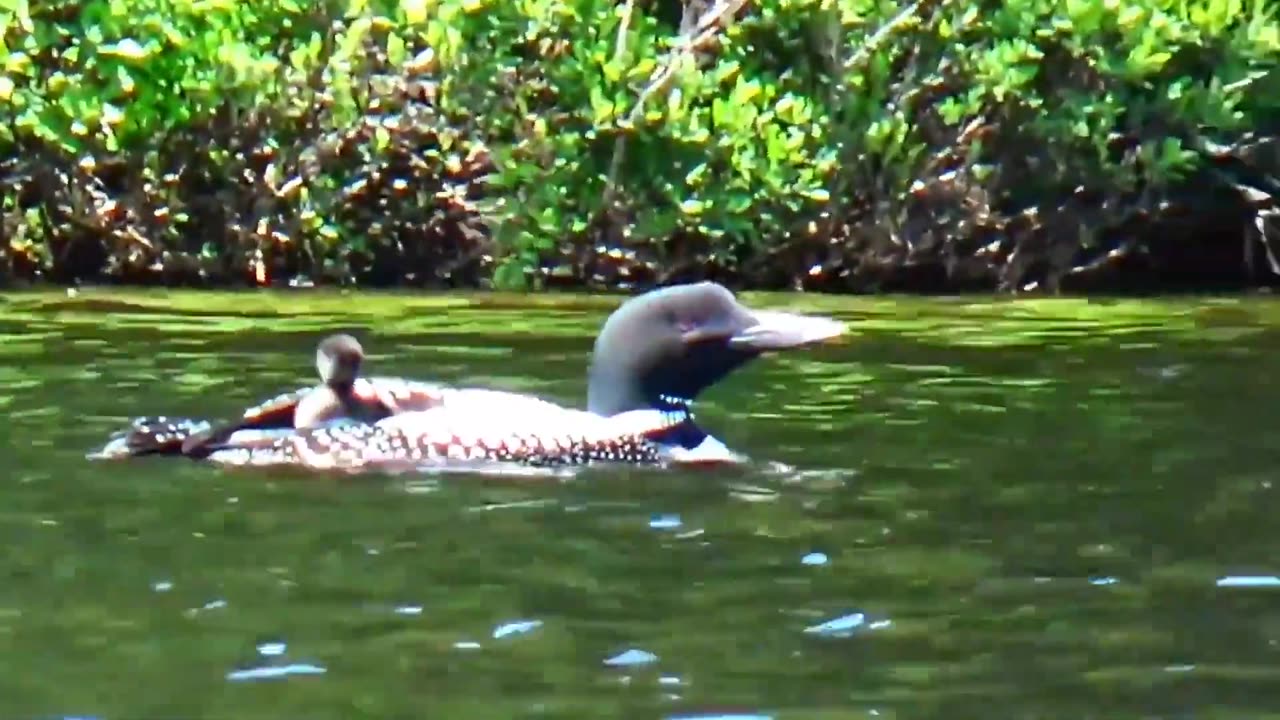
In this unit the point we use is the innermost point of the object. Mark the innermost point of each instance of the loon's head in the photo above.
(664, 347)
(338, 359)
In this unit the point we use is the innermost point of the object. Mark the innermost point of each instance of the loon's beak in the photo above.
(776, 330)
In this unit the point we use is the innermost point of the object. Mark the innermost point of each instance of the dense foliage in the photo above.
(818, 143)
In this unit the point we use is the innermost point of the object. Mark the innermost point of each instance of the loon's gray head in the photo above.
(664, 347)
(338, 359)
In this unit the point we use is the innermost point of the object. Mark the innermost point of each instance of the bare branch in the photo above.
(686, 45)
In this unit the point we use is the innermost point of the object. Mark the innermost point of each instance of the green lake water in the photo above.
(964, 509)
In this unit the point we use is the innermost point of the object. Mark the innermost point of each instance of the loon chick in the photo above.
(342, 394)
(652, 358)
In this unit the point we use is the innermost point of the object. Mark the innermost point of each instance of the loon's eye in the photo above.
(684, 325)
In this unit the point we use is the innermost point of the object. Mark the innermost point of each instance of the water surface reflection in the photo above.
(964, 512)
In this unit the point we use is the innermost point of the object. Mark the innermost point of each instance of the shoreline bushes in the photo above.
(851, 145)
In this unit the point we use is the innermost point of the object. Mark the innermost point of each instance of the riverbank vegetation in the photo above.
(847, 145)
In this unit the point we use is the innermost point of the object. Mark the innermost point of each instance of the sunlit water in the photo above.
(996, 510)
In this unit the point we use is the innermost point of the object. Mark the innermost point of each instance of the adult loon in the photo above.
(654, 355)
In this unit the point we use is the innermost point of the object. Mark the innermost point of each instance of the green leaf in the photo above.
(692, 207)
(415, 10)
(396, 51)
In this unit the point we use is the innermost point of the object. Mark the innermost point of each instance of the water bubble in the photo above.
(721, 716)
(271, 649)
(518, 627)
(846, 625)
(275, 671)
(1249, 581)
(839, 627)
(665, 522)
(631, 657)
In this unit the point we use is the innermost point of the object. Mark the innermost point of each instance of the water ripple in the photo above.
(1059, 513)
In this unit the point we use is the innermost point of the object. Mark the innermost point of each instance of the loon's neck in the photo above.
(613, 394)
(613, 389)
(623, 378)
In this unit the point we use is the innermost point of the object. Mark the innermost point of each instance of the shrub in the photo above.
(781, 143)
